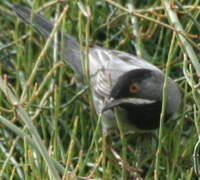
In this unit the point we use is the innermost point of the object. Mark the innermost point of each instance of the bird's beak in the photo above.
(135, 101)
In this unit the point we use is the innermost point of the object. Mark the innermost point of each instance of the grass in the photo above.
(49, 128)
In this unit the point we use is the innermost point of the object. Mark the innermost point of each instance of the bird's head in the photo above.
(140, 92)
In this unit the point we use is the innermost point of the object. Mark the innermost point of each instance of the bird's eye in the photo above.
(134, 88)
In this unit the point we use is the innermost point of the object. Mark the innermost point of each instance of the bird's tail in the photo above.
(44, 26)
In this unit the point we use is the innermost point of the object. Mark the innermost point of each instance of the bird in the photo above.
(121, 83)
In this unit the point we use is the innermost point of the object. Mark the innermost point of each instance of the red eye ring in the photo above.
(134, 88)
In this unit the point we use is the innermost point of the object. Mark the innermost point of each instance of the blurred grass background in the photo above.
(49, 129)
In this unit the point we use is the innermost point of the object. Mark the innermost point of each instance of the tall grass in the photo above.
(49, 128)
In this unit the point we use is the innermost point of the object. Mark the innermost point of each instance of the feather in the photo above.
(44, 26)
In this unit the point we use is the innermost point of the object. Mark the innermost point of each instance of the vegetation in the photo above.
(49, 128)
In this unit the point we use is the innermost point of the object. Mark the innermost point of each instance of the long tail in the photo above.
(44, 26)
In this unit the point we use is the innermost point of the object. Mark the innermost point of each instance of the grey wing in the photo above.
(106, 66)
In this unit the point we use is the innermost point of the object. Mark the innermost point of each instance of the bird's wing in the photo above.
(106, 66)
(44, 26)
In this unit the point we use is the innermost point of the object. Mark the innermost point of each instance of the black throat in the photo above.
(146, 116)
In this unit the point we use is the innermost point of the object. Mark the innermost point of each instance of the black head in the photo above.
(140, 92)
(140, 83)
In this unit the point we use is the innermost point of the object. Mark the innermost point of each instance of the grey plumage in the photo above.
(107, 67)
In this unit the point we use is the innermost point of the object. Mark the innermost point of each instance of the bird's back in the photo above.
(106, 66)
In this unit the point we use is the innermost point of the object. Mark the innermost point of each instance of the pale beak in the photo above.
(135, 101)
